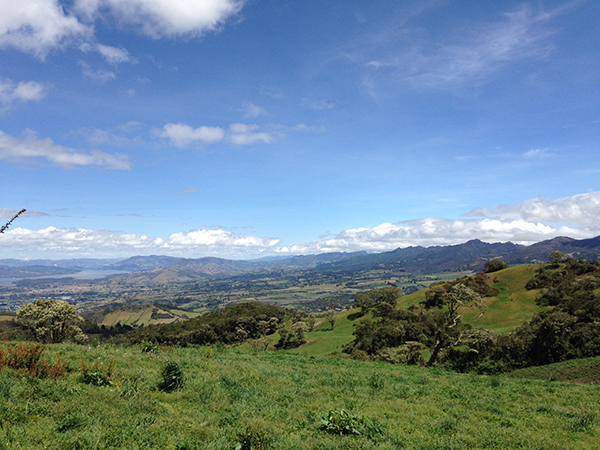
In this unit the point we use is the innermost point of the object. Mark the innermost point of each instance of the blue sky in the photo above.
(243, 129)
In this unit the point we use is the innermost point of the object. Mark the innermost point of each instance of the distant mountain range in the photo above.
(471, 255)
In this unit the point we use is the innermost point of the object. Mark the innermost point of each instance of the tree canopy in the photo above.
(52, 321)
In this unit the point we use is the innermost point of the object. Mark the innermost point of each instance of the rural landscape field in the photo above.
(276, 375)
(299, 225)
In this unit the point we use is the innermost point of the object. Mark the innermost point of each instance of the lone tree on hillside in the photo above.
(494, 265)
(52, 321)
(448, 323)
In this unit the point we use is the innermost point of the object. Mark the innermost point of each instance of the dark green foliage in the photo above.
(341, 422)
(495, 265)
(149, 347)
(376, 297)
(232, 324)
(571, 329)
(172, 377)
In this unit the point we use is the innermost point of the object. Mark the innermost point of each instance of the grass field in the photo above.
(238, 398)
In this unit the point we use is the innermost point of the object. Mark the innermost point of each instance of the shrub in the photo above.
(343, 423)
(172, 377)
(149, 347)
(254, 437)
(97, 374)
(27, 357)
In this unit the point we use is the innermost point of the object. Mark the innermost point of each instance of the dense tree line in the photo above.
(229, 325)
(569, 329)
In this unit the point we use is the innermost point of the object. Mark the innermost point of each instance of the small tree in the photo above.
(495, 265)
(330, 317)
(448, 323)
(300, 329)
(52, 321)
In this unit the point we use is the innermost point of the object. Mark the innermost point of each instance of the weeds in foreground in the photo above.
(27, 357)
(97, 374)
(342, 422)
(172, 377)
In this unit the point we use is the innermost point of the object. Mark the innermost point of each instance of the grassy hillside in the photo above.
(237, 398)
(512, 306)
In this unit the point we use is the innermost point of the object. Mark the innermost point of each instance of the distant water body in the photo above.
(83, 275)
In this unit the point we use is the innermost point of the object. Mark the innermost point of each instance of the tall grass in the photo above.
(238, 398)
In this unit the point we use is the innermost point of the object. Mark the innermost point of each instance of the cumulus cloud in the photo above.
(40, 26)
(23, 91)
(30, 148)
(182, 135)
(164, 18)
(581, 209)
(526, 223)
(54, 241)
(436, 231)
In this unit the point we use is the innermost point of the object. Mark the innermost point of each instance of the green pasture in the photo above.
(239, 398)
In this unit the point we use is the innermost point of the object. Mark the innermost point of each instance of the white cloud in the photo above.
(320, 105)
(38, 26)
(526, 223)
(114, 55)
(101, 76)
(164, 18)
(410, 56)
(436, 231)
(23, 91)
(62, 241)
(538, 153)
(246, 134)
(182, 135)
(581, 210)
(250, 110)
(30, 148)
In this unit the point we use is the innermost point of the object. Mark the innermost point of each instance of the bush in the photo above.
(97, 374)
(342, 422)
(172, 377)
(27, 358)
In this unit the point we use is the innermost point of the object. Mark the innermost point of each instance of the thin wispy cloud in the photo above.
(251, 111)
(398, 55)
(186, 193)
(32, 149)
